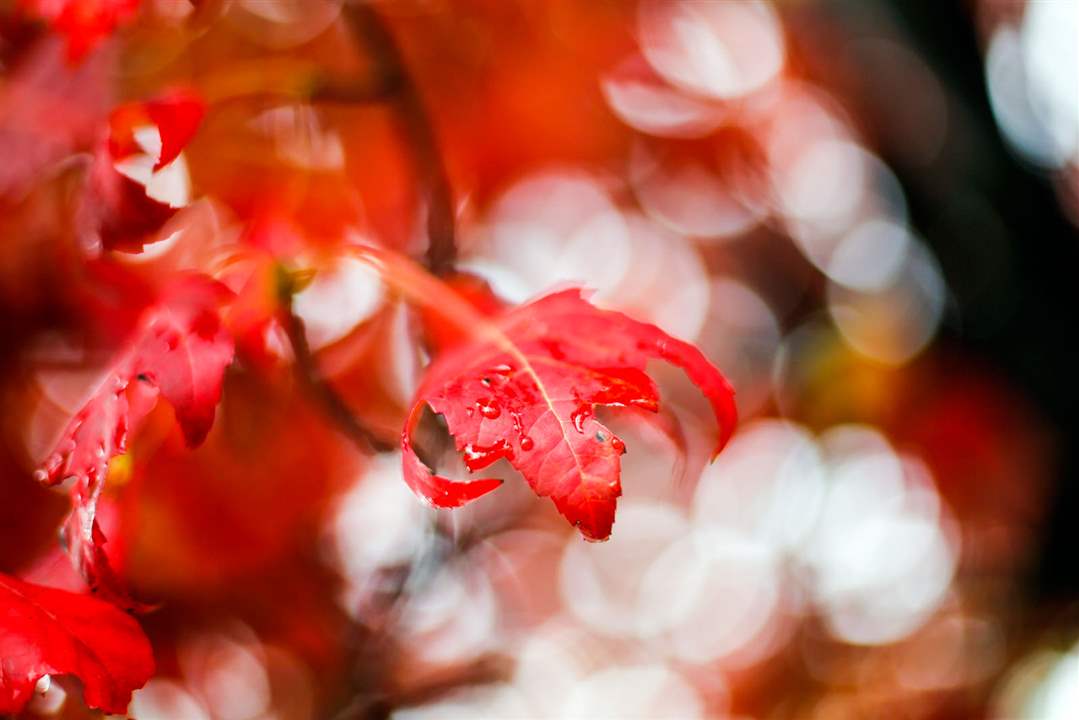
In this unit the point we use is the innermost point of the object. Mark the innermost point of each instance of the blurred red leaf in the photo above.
(116, 213)
(117, 210)
(176, 113)
(44, 631)
(84, 23)
(50, 110)
(525, 390)
(180, 350)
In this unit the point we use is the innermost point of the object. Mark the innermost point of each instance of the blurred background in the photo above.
(864, 212)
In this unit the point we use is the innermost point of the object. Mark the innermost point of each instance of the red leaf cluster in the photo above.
(516, 384)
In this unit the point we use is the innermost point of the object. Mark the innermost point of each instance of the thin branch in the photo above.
(389, 83)
(328, 88)
(392, 83)
(371, 30)
(313, 382)
(243, 80)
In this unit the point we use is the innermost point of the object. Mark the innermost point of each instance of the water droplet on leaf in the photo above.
(579, 416)
(489, 408)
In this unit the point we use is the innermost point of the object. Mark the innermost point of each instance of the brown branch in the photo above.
(371, 30)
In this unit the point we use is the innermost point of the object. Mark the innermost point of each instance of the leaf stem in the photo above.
(420, 287)
(423, 289)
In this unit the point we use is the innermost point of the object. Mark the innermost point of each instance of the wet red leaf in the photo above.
(179, 350)
(526, 390)
(44, 631)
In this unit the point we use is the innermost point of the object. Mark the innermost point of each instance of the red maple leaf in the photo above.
(179, 350)
(116, 211)
(526, 389)
(44, 631)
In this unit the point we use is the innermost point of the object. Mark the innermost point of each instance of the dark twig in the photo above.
(391, 82)
(371, 30)
(328, 88)
(313, 382)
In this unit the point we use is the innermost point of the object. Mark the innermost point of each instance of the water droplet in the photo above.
(618, 445)
(579, 416)
(502, 369)
(527, 443)
(488, 408)
(486, 382)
